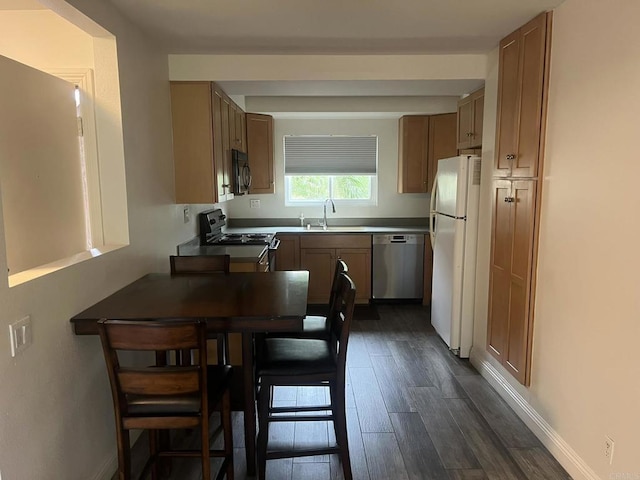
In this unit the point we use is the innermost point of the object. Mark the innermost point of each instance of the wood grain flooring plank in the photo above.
(383, 457)
(279, 469)
(491, 453)
(372, 411)
(443, 430)
(502, 419)
(458, 366)
(440, 375)
(359, 468)
(311, 471)
(421, 459)
(467, 474)
(375, 338)
(392, 385)
(538, 464)
(357, 354)
(414, 374)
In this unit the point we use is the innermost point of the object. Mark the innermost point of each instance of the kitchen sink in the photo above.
(319, 228)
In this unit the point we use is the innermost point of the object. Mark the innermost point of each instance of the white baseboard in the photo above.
(557, 446)
(108, 469)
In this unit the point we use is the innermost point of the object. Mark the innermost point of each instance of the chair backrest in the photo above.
(200, 264)
(341, 267)
(160, 380)
(340, 318)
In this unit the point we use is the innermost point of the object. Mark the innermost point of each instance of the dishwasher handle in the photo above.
(398, 239)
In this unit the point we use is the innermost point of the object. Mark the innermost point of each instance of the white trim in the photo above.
(108, 469)
(557, 446)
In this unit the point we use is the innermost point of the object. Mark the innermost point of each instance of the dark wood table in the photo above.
(237, 302)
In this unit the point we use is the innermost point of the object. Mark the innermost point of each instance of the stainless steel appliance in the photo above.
(398, 266)
(211, 233)
(241, 172)
(454, 235)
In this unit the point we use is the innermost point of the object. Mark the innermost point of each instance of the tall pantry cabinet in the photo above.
(522, 95)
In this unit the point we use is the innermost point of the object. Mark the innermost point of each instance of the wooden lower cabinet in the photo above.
(288, 252)
(318, 255)
(509, 329)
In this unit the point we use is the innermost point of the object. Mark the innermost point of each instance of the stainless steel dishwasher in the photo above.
(398, 266)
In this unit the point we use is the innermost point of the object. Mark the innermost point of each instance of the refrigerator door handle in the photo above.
(432, 212)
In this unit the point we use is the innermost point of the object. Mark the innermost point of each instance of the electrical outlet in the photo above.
(608, 449)
(255, 203)
(20, 333)
(186, 215)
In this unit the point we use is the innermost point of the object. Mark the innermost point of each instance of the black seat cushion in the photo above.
(295, 356)
(218, 378)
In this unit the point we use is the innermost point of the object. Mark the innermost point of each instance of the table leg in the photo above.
(249, 403)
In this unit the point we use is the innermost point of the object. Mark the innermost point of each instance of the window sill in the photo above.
(37, 272)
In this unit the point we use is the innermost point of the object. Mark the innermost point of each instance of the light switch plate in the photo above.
(20, 333)
(186, 215)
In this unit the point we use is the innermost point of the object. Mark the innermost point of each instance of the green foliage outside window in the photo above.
(320, 187)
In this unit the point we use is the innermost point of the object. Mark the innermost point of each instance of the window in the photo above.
(63, 186)
(340, 167)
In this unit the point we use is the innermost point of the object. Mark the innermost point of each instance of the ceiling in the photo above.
(331, 27)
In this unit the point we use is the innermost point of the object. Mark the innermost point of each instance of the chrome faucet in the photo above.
(324, 212)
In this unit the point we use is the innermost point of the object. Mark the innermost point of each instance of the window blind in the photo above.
(330, 155)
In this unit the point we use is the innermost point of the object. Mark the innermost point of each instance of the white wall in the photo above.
(56, 416)
(390, 203)
(585, 371)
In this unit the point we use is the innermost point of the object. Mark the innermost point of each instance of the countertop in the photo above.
(250, 253)
(419, 229)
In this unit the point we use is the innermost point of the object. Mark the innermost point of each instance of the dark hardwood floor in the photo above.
(415, 411)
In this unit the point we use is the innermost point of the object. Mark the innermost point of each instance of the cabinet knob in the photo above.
(511, 156)
(469, 134)
(509, 199)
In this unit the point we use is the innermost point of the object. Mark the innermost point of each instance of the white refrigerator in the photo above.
(454, 235)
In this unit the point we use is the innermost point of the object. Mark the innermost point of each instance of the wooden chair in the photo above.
(308, 362)
(316, 326)
(185, 265)
(164, 397)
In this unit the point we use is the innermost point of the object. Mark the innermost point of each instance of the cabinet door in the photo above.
(464, 123)
(413, 154)
(320, 262)
(218, 144)
(226, 146)
(522, 221)
(260, 152)
(520, 97)
(191, 117)
(511, 270)
(477, 119)
(241, 130)
(532, 57)
(288, 253)
(442, 142)
(508, 104)
(359, 262)
(500, 269)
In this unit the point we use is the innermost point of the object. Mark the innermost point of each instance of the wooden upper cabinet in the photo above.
(260, 152)
(521, 83)
(196, 176)
(442, 142)
(413, 145)
(422, 141)
(470, 119)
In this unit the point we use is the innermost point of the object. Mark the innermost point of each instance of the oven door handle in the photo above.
(274, 244)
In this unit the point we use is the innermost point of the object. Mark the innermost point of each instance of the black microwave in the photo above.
(241, 172)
